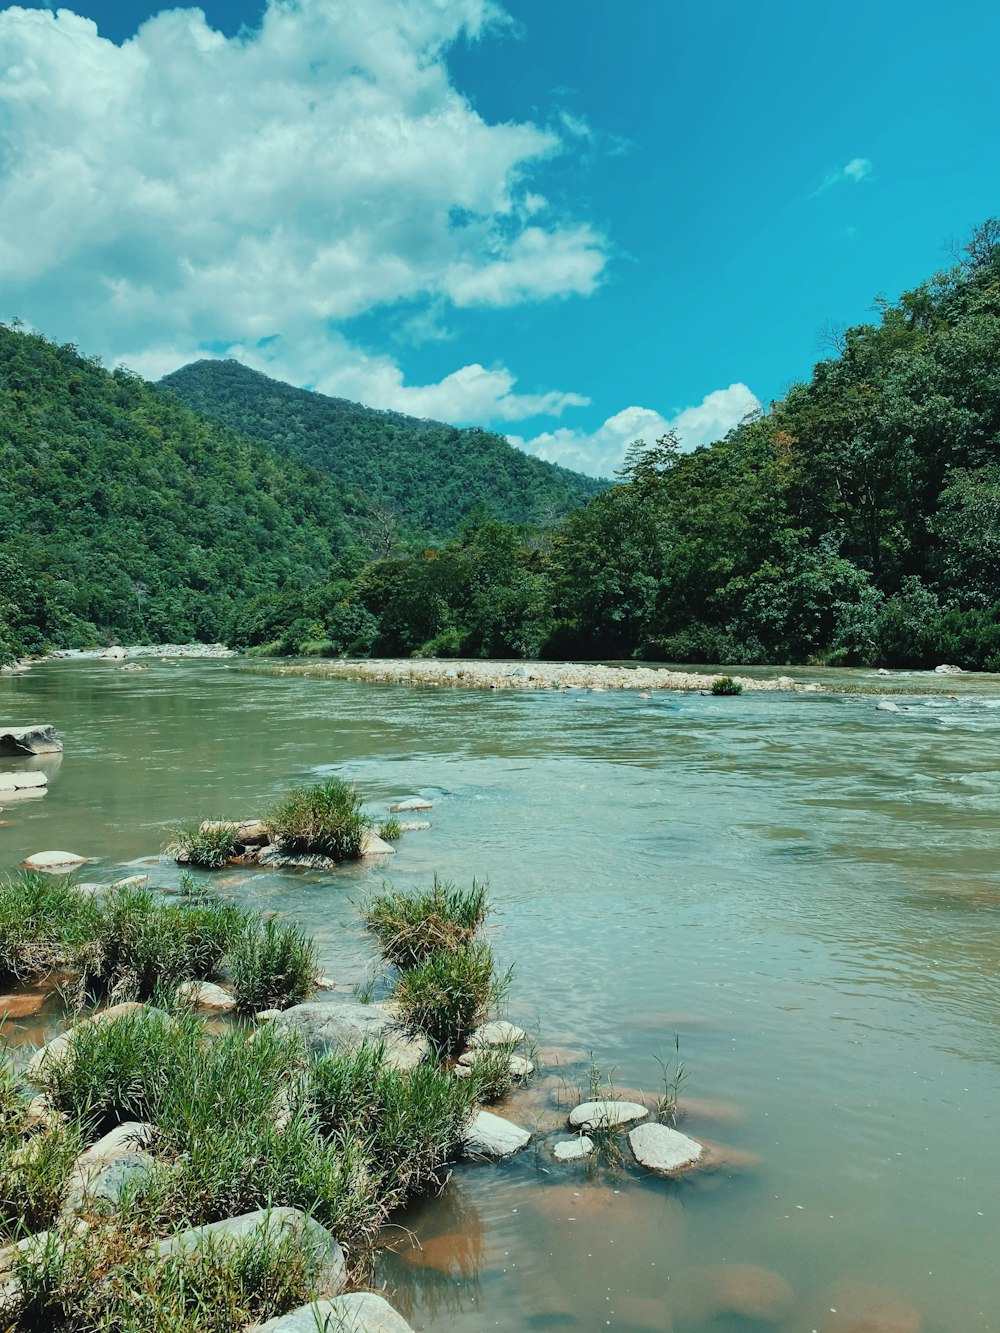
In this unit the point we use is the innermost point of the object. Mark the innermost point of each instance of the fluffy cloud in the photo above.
(855, 171)
(602, 452)
(186, 190)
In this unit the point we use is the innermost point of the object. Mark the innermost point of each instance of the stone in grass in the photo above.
(606, 1114)
(360, 1312)
(206, 995)
(268, 1225)
(102, 1191)
(664, 1150)
(520, 1066)
(496, 1034)
(56, 863)
(573, 1150)
(373, 845)
(341, 1023)
(131, 882)
(411, 803)
(489, 1135)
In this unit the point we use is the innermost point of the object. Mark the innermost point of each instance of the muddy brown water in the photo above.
(806, 891)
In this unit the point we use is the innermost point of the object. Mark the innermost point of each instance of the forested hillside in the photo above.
(122, 514)
(427, 476)
(857, 521)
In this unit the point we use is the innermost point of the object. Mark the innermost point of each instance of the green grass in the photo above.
(449, 994)
(44, 923)
(491, 1077)
(726, 685)
(410, 927)
(33, 1172)
(209, 848)
(273, 965)
(325, 819)
(390, 829)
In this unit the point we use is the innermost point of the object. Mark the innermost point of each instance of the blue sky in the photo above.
(574, 221)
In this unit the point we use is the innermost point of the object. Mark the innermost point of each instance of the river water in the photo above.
(804, 890)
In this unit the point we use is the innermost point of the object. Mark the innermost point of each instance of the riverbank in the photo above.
(492, 675)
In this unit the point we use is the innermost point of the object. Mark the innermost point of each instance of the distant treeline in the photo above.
(855, 522)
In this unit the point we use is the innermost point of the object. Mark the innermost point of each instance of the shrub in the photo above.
(390, 829)
(44, 923)
(325, 819)
(209, 845)
(450, 993)
(726, 685)
(273, 965)
(491, 1077)
(412, 926)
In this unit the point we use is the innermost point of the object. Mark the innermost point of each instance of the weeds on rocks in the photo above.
(390, 829)
(726, 685)
(410, 927)
(325, 820)
(450, 993)
(273, 965)
(490, 1072)
(44, 923)
(209, 845)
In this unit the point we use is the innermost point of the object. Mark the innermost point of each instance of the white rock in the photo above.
(54, 862)
(945, 670)
(373, 845)
(115, 653)
(206, 995)
(573, 1150)
(360, 1312)
(887, 706)
(39, 738)
(25, 781)
(489, 1135)
(413, 825)
(664, 1150)
(411, 803)
(498, 1033)
(131, 882)
(606, 1114)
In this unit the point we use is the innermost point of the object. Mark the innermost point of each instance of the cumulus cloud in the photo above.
(187, 190)
(602, 452)
(853, 172)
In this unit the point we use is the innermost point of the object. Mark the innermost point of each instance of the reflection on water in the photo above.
(805, 890)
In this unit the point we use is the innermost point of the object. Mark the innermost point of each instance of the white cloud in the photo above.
(855, 171)
(602, 452)
(186, 190)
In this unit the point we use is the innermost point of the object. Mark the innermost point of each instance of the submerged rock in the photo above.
(489, 1135)
(413, 825)
(373, 845)
(38, 738)
(887, 706)
(58, 863)
(17, 786)
(131, 882)
(410, 803)
(341, 1023)
(360, 1312)
(606, 1114)
(267, 1224)
(664, 1150)
(276, 858)
(573, 1150)
(206, 995)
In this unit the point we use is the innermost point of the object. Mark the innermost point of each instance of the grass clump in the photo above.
(410, 927)
(491, 1075)
(273, 965)
(450, 993)
(44, 923)
(726, 685)
(325, 819)
(209, 845)
(390, 829)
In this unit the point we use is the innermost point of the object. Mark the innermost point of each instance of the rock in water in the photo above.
(360, 1312)
(498, 1033)
(341, 1023)
(267, 1224)
(373, 845)
(887, 706)
(664, 1150)
(39, 738)
(573, 1150)
(489, 1135)
(606, 1114)
(57, 863)
(411, 803)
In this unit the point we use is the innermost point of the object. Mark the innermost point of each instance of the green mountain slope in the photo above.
(123, 514)
(428, 475)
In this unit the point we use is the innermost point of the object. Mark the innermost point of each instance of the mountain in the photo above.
(429, 476)
(123, 514)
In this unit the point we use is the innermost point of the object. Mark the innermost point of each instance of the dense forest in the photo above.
(855, 522)
(424, 476)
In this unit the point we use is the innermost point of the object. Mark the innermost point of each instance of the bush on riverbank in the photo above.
(325, 819)
(411, 926)
(273, 965)
(726, 685)
(450, 993)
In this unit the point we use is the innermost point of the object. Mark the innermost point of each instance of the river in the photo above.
(804, 890)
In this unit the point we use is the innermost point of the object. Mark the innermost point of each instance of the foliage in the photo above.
(391, 830)
(210, 845)
(449, 994)
(412, 926)
(273, 965)
(325, 819)
(723, 685)
(44, 924)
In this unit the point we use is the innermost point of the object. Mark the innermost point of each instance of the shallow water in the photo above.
(805, 890)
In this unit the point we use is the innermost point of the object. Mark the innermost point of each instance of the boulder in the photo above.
(410, 803)
(664, 1150)
(341, 1023)
(206, 995)
(248, 832)
(360, 1312)
(606, 1114)
(101, 1191)
(489, 1135)
(267, 1224)
(945, 670)
(573, 1150)
(55, 863)
(131, 882)
(38, 738)
(13, 782)
(498, 1033)
(887, 706)
(373, 845)
(115, 653)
